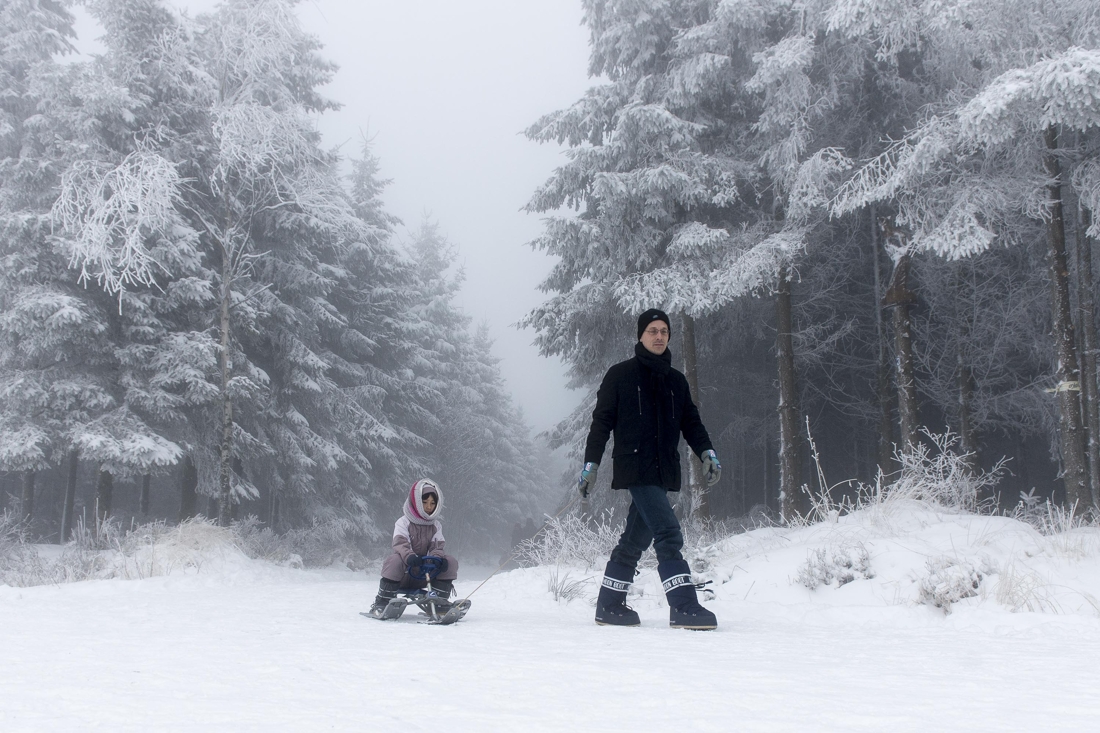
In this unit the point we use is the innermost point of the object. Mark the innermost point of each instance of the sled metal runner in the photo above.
(452, 615)
(396, 608)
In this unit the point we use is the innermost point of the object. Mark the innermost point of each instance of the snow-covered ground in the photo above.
(246, 646)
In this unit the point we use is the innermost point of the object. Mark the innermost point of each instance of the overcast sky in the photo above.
(445, 89)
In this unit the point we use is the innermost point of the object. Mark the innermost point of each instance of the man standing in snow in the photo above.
(648, 405)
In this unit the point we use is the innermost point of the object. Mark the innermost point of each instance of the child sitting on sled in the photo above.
(416, 535)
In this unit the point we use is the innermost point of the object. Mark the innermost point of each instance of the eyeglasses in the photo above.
(651, 332)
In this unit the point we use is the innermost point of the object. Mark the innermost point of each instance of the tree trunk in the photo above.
(742, 459)
(790, 436)
(691, 372)
(899, 297)
(189, 482)
(742, 475)
(273, 510)
(882, 375)
(767, 469)
(1023, 474)
(104, 492)
(26, 501)
(1075, 474)
(143, 498)
(70, 497)
(907, 393)
(967, 442)
(964, 375)
(1090, 400)
(224, 464)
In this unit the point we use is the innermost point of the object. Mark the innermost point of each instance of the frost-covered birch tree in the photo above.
(267, 173)
(239, 165)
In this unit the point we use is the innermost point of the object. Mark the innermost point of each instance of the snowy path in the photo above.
(284, 650)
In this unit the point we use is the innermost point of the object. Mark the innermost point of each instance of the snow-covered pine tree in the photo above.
(823, 97)
(673, 207)
(369, 347)
(271, 216)
(120, 221)
(455, 415)
(440, 330)
(31, 35)
(487, 458)
(274, 210)
(66, 389)
(992, 146)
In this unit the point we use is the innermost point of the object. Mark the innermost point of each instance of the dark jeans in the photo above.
(650, 519)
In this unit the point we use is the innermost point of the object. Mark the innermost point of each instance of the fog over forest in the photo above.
(871, 225)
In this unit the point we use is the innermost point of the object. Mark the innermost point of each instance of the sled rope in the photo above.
(515, 552)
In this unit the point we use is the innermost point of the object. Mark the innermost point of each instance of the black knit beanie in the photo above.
(651, 315)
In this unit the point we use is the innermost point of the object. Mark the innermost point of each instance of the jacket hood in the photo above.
(414, 504)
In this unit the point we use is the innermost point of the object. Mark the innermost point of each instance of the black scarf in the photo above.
(659, 364)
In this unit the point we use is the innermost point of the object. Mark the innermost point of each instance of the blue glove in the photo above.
(413, 563)
(439, 563)
(587, 479)
(712, 469)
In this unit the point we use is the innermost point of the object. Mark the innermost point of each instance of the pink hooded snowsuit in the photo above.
(420, 533)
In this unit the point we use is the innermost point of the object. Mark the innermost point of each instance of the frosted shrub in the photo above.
(840, 564)
(1071, 533)
(104, 534)
(105, 550)
(941, 477)
(321, 545)
(703, 532)
(949, 580)
(1021, 589)
(562, 587)
(13, 537)
(1052, 519)
(1030, 509)
(934, 474)
(20, 564)
(156, 549)
(260, 542)
(703, 540)
(570, 541)
(77, 563)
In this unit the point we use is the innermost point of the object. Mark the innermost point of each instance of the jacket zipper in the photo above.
(639, 400)
(672, 397)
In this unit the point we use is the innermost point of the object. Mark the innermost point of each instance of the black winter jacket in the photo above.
(647, 404)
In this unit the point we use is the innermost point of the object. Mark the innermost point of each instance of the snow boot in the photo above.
(387, 591)
(611, 608)
(684, 611)
(440, 595)
(443, 588)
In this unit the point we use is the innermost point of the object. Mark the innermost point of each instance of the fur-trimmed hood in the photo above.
(414, 504)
